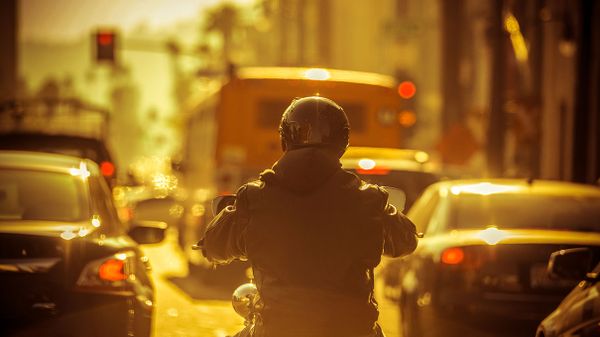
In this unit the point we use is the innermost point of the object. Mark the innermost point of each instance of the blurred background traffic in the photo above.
(178, 102)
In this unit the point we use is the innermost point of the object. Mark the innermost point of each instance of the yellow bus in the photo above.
(232, 134)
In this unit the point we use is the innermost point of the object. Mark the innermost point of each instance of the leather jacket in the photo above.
(313, 233)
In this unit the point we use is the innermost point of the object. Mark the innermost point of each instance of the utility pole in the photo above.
(8, 56)
(537, 56)
(586, 142)
(452, 47)
(497, 119)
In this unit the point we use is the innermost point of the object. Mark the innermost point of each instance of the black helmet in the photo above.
(314, 121)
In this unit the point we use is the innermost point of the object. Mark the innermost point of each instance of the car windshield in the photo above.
(411, 182)
(41, 195)
(527, 211)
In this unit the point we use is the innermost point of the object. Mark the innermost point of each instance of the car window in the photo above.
(105, 207)
(423, 209)
(32, 195)
(438, 220)
(527, 211)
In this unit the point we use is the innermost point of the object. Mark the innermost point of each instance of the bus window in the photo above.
(356, 116)
(270, 111)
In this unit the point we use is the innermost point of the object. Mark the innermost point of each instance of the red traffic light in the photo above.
(407, 89)
(105, 46)
(105, 38)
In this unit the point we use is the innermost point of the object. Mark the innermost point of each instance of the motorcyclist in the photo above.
(312, 231)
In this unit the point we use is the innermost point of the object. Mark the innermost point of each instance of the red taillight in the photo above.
(112, 270)
(381, 171)
(454, 255)
(125, 213)
(107, 168)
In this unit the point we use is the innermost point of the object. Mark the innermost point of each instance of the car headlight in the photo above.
(115, 274)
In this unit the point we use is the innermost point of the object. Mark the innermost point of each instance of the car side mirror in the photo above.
(570, 264)
(147, 232)
(397, 197)
(222, 201)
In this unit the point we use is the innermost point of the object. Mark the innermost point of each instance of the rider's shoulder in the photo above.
(250, 188)
(250, 191)
(368, 191)
(373, 190)
(373, 194)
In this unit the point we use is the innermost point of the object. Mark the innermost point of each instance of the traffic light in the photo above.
(105, 42)
(407, 116)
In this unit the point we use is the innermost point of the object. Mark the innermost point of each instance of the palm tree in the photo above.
(223, 19)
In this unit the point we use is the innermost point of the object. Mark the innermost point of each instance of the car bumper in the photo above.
(80, 314)
(514, 306)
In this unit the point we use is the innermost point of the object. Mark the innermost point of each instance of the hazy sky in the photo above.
(70, 19)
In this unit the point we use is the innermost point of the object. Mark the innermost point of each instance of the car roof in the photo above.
(45, 161)
(388, 158)
(516, 186)
(354, 152)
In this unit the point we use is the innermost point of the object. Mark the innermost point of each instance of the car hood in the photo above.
(64, 229)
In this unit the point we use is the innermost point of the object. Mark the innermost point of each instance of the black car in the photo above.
(93, 148)
(68, 266)
(578, 314)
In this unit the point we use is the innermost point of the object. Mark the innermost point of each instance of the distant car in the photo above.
(579, 313)
(408, 170)
(481, 266)
(68, 266)
(94, 149)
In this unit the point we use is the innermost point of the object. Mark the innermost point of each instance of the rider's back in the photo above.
(314, 236)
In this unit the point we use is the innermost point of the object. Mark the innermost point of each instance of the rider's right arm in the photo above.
(224, 240)
(400, 234)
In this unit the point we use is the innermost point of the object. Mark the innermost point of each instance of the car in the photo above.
(93, 148)
(579, 313)
(68, 265)
(483, 257)
(408, 170)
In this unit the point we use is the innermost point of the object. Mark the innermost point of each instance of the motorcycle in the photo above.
(246, 300)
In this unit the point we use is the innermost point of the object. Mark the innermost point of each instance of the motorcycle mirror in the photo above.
(397, 197)
(220, 202)
(244, 299)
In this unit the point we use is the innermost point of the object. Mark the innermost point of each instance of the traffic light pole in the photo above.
(497, 118)
(8, 56)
